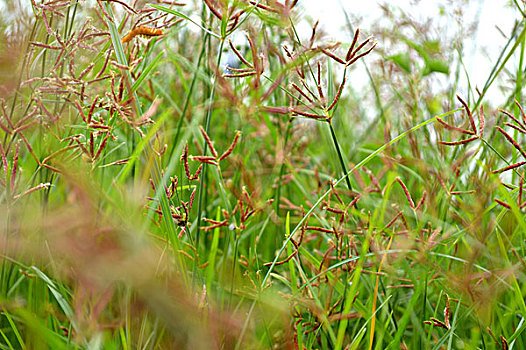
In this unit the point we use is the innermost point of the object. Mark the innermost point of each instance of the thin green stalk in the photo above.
(340, 157)
(202, 184)
(282, 167)
(189, 95)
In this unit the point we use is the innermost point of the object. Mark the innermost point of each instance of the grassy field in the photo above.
(209, 176)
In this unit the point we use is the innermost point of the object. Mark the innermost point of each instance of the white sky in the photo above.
(480, 53)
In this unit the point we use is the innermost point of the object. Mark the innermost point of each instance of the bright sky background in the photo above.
(480, 54)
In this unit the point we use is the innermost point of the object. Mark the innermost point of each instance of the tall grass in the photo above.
(164, 186)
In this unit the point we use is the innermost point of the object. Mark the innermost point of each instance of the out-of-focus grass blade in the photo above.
(15, 329)
(140, 147)
(146, 72)
(121, 57)
(182, 15)
(61, 300)
(51, 339)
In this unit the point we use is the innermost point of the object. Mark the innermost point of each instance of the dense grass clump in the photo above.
(208, 176)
